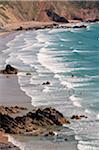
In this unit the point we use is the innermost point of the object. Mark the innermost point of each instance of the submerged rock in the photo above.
(9, 70)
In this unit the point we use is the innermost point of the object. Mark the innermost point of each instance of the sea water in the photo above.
(69, 59)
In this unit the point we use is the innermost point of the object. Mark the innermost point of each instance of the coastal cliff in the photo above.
(17, 11)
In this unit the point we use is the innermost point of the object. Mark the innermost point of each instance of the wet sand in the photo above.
(10, 93)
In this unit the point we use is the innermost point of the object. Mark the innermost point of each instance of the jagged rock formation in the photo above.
(36, 122)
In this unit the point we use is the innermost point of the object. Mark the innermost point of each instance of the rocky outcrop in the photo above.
(9, 70)
(33, 122)
(55, 17)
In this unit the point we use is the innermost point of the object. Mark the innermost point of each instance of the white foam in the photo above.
(48, 62)
(65, 40)
(97, 116)
(75, 101)
(46, 89)
(56, 76)
(88, 145)
(77, 104)
(75, 51)
(67, 84)
(57, 30)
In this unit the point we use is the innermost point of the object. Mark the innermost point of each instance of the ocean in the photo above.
(69, 60)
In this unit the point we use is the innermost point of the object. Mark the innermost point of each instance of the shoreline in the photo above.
(35, 25)
(10, 84)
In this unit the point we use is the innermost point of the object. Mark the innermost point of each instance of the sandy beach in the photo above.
(11, 95)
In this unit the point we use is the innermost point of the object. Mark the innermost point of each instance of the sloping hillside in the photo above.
(16, 11)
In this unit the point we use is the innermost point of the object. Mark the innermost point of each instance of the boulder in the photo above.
(9, 70)
(55, 17)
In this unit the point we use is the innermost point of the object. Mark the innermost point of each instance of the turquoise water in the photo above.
(69, 59)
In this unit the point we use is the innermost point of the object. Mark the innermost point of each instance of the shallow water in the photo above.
(55, 55)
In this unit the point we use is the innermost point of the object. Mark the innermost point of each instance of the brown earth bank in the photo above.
(45, 11)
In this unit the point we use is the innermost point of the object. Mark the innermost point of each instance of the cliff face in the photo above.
(16, 11)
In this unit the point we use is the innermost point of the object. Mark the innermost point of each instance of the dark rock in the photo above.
(92, 20)
(28, 73)
(83, 116)
(9, 70)
(20, 28)
(77, 18)
(55, 17)
(78, 117)
(50, 133)
(81, 26)
(46, 83)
